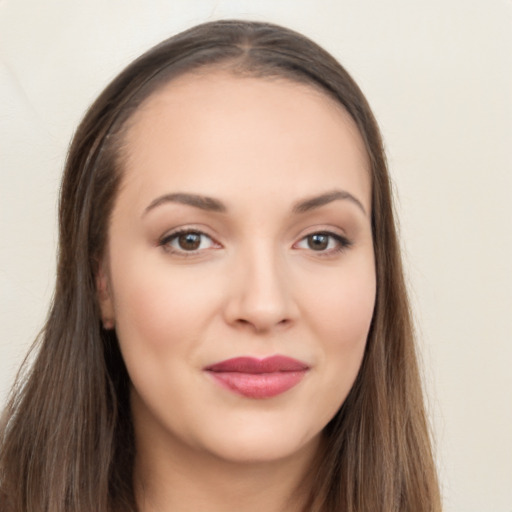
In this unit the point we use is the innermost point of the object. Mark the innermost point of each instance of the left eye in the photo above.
(322, 242)
(187, 241)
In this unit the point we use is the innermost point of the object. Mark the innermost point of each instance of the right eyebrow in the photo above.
(198, 201)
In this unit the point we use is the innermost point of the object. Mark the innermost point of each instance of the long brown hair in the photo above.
(66, 439)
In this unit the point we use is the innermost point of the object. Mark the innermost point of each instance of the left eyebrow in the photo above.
(323, 199)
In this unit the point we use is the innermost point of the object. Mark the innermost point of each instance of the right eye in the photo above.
(187, 241)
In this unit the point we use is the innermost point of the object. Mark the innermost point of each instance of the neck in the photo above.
(168, 480)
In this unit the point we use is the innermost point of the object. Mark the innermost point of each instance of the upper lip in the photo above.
(254, 365)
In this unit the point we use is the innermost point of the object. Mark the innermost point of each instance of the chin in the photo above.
(261, 445)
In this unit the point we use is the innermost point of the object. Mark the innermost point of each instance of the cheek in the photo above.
(350, 311)
(341, 318)
(160, 314)
(159, 308)
(342, 307)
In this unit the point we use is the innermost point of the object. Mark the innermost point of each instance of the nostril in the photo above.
(262, 325)
(260, 301)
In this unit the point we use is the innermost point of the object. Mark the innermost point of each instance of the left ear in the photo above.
(103, 291)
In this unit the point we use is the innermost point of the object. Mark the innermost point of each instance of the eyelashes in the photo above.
(324, 242)
(188, 242)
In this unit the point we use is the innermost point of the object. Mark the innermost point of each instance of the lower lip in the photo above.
(259, 385)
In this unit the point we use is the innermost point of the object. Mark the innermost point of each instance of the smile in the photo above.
(258, 378)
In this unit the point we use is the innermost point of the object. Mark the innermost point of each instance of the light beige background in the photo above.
(439, 77)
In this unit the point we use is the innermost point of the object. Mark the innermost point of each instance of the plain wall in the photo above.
(439, 77)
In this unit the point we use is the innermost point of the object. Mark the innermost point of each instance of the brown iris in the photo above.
(318, 241)
(189, 241)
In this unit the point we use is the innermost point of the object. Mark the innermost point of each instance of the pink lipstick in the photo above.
(258, 378)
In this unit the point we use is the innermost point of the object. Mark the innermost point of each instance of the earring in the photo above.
(108, 324)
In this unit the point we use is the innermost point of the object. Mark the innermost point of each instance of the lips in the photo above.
(258, 378)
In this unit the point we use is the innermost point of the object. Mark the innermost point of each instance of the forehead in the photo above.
(212, 129)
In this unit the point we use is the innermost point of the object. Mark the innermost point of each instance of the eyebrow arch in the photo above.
(317, 201)
(201, 202)
(214, 205)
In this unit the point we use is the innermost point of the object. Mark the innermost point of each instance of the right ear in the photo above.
(103, 290)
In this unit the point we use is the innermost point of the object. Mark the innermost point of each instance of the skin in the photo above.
(256, 285)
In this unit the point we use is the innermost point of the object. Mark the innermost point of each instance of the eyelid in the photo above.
(342, 241)
(165, 240)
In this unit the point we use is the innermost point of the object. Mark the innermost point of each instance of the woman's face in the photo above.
(239, 271)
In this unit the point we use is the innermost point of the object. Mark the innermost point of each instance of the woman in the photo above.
(230, 328)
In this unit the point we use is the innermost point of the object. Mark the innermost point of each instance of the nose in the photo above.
(260, 294)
